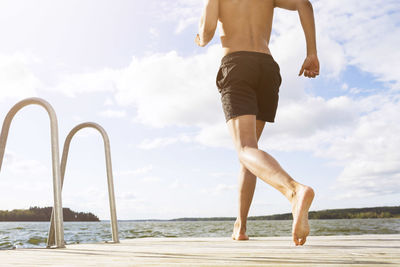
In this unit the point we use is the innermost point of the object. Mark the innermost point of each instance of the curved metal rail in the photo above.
(111, 197)
(59, 228)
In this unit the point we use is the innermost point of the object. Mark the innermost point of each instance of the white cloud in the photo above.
(154, 33)
(367, 34)
(16, 77)
(168, 89)
(71, 84)
(222, 174)
(185, 12)
(184, 23)
(179, 184)
(215, 135)
(219, 189)
(371, 153)
(24, 180)
(157, 142)
(126, 196)
(139, 171)
(163, 141)
(312, 114)
(175, 184)
(361, 135)
(108, 102)
(151, 179)
(18, 165)
(111, 113)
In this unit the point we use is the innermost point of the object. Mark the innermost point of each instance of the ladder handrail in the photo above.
(67, 143)
(59, 227)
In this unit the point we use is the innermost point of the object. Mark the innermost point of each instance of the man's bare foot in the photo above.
(301, 202)
(239, 232)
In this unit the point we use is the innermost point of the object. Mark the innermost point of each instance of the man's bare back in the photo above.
(246, 26)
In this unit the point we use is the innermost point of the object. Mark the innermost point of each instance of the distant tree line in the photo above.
(362, 213)
(44, 214)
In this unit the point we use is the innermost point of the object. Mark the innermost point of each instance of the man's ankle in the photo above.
(241, 223)
(292, 191)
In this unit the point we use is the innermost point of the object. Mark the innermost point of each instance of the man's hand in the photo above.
(197, 40)
(310, 67)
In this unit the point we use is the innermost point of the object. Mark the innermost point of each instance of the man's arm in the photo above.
(306, 14)
(208, 23)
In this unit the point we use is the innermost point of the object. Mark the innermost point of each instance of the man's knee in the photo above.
(243, 149)
(243, 146)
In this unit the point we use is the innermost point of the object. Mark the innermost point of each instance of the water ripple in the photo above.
(34, 234)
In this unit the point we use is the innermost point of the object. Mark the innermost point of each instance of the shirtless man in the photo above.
(248, 81)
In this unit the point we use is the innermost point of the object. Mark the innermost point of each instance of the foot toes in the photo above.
(296, 240)
(303, 240)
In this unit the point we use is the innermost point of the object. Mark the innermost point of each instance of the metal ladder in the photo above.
(56, 232)
(111, 198)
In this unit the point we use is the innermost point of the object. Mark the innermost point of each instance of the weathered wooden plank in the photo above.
(365, 250)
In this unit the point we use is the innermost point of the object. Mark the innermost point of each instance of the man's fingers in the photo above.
(315, 71)
(301, 71)
(197, 39)
(308, 73)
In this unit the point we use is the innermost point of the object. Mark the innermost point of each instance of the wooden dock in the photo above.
(362, 250)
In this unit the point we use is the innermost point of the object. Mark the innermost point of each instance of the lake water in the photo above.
(34, 234)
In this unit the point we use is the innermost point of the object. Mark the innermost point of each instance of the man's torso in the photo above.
(246, 25)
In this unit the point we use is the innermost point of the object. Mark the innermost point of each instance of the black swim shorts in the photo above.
(249, 84)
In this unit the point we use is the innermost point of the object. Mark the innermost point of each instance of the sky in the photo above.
(133, 67)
